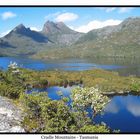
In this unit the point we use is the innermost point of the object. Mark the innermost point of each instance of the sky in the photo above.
(82, 19)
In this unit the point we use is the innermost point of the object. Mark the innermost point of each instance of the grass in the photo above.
(42, 114)
(106, 81)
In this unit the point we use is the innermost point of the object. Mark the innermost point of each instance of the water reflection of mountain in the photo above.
(123, 66)
(131, 66)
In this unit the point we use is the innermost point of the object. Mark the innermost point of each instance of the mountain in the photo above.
(56, 40)
(128, 25)
(51, 28)
(60, 34)
(21, 30)
(22, 40)
(121, 40)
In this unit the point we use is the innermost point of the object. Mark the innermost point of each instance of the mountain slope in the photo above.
(21, 30)
(60, 34)
(56, 40)
(122, 40)
(22, 40)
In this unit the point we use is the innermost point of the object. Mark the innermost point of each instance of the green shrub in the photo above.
(46, 115)
(89, 97)
(135, 87)
(94, 129)
(10, 91)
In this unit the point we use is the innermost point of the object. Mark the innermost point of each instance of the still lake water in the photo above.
(70, 65)
(123, 66)
(123, 112)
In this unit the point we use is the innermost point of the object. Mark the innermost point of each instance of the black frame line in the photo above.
(84, 6)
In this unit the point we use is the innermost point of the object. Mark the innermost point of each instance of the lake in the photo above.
(123, 66)
(122, 112)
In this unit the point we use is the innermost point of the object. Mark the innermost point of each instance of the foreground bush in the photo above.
(46, 115)
(12, 82)
(89, 97)
(10, 91)
(95, 129)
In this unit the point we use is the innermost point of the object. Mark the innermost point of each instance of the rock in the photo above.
(116, 93)
(10, 116)
(17, 129)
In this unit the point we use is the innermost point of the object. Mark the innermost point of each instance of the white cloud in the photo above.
(7, 15)
(4, 33)
(52, 16)
(110, 9)
(61, 16)
(125, 10)
(35, 29)
(118, 10)
(64, 17)
(95, 24)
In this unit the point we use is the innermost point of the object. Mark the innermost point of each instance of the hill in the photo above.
(56, 40)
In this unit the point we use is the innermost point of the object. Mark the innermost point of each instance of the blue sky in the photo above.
(81, 19)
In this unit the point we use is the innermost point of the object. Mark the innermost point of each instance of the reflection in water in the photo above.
(130, 103)
(68, 65)
(112, 108)
(123, 112)
(131, 65)
(134, 109)
(123, 66)
(133, 106)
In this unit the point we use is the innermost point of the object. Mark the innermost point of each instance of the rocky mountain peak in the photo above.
(19, 27)
(60, 24)
(50, 28)
(131, 22)
(21, 30)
